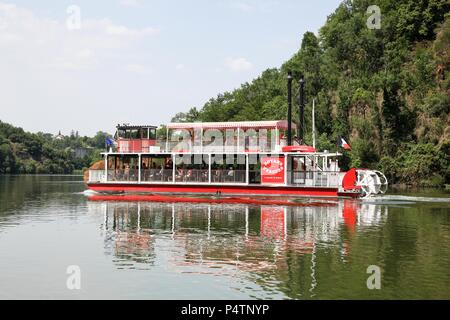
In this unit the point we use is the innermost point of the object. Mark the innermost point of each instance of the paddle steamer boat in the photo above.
(226, 158)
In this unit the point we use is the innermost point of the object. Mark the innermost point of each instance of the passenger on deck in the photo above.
(145, 172)
(217, 176)
(180, 174)
(190, 175)
(126, 172)
(168, 167)
(230, 174)
(160, 173)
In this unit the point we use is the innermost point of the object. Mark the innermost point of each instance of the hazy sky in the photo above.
(138, 61)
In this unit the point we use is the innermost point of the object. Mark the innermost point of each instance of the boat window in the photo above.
(156, 168)
(123, 168)
(121, 133)
(229, 168)
(135, 134)
(298, 170)
(152, 134)
(192, 169)
(255, 173)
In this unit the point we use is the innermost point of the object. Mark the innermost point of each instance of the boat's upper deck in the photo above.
(207, 137)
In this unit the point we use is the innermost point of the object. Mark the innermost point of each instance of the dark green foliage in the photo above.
(422, 163)
(26, 153)
(437, 105)
(190, 116)
(386, 90)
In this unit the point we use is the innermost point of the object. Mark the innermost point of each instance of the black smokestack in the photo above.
(301, 106)
(289, 115)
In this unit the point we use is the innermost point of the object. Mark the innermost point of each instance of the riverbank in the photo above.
(402, 188)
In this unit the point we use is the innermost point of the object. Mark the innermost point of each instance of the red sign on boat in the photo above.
(272, 170)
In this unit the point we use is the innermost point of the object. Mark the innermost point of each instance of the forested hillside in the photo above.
(387, 90)
(24, 152)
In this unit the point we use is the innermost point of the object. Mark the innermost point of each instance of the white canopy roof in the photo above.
(276, 124)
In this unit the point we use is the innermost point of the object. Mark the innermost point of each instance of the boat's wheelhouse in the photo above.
(136, 139)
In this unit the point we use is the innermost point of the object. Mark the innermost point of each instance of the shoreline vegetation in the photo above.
(387, 91)
(23, 152)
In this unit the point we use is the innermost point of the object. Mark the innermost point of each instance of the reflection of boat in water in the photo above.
(210, 238)
(215, 200)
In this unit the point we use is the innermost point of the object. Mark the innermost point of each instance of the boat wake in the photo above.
(89, 192)
(399, 199)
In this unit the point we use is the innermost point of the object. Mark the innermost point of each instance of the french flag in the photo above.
(345, 145)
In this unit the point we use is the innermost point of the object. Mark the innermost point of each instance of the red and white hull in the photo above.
(230, 190)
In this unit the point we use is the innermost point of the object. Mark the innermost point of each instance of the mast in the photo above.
(301, 105)
(289, 115)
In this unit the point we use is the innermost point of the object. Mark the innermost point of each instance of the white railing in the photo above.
(228, 176)
(299, 178)
(194, 176)
(97, 176)
(157, 175)
(316, 178)
(124, 175)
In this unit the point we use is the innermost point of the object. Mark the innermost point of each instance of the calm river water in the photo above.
(129, 250)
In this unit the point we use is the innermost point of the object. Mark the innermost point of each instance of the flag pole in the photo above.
(338, 141)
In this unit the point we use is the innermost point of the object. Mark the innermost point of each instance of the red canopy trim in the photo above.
(307, 149)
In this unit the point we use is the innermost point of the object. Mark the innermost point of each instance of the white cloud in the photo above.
(32, 41)
(242, 6)
(53, 78)
(253, 5)
(137, 68)
(74, 60)
(117, 30)
(129, 3)
(180, 67)
(238, 64)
